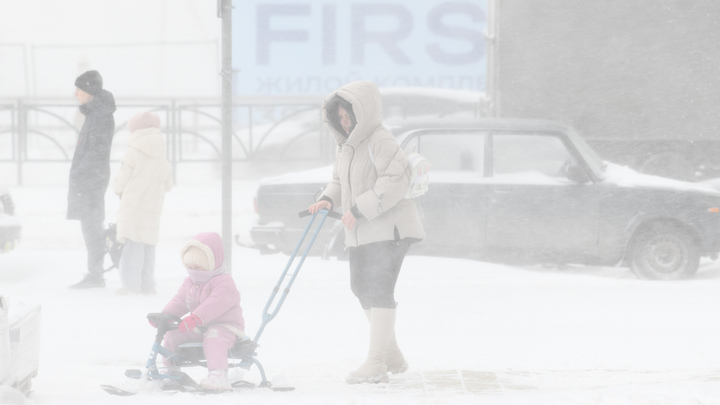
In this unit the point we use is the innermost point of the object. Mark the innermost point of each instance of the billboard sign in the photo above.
(315, 46)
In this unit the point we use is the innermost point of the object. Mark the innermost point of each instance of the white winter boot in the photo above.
(217, 380)
(382, 329)
(394, 359)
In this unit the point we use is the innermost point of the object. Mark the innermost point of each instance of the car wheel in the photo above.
(664, 252)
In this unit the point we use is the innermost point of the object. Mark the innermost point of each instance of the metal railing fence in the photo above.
(264, 131)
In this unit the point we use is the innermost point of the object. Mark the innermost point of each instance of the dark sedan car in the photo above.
(527, 192)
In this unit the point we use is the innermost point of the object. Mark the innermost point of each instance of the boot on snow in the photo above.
(91, 280)
(382, 329)
(217, 380)
(394, 359)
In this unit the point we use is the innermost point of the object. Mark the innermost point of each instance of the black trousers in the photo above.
(93, 232)
(374, 270)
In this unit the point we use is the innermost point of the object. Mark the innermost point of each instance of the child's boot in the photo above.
(217, 380)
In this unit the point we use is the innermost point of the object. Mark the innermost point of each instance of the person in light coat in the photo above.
(368, 187)
(141, 183)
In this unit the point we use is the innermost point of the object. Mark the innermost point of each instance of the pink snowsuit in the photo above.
(213, 296)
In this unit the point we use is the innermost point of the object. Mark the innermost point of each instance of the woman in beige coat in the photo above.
(368, 188)
(143, 180)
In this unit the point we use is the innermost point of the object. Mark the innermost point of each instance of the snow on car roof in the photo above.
(624, 176)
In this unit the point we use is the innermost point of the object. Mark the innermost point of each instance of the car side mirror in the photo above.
(577, 174)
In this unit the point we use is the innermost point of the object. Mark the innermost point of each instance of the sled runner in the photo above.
(242, 354)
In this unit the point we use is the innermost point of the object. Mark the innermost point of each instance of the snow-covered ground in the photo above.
(473, 332)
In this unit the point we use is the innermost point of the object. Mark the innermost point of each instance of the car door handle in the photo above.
(502, 191)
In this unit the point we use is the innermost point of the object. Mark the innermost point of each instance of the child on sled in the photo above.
(209, 304)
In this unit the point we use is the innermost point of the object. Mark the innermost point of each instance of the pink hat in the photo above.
(143, 120)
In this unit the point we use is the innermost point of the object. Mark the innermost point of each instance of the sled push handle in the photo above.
(163, 322)
(287, 279)
(331, 214)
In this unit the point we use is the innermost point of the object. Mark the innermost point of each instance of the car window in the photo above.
(531, 154)
(451, 152)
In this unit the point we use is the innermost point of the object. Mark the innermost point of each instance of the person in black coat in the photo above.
(90, 171)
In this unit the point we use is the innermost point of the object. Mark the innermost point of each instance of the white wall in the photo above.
(143, 48)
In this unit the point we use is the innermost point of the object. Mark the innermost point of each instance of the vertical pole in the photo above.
(174, 132)
(491, 39)
(225, 13)
(22, 134)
